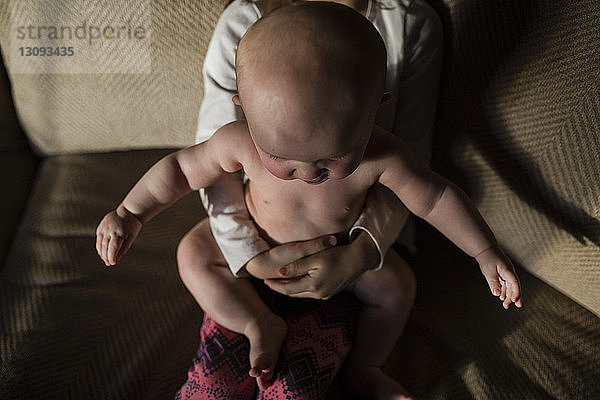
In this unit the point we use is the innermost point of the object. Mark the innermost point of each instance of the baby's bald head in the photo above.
(319, 64)
(318, 38)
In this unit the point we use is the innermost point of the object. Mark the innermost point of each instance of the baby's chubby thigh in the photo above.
(392, 287)
(198, 248)
(199, 258)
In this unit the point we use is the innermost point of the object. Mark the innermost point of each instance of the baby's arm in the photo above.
(167, 181)
(446, 207)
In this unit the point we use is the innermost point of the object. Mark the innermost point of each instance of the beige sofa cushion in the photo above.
(88, 112)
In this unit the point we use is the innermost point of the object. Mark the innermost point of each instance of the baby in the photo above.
(310, 79)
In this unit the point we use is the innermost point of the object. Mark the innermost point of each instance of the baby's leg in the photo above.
(229, 301)
(387, 297)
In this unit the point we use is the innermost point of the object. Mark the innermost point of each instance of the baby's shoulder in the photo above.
(235, 138)
(385, 150)
(235, 133)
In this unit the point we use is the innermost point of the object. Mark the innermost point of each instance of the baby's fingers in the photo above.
(99, 237)
(507, 292)
(493, 280)
(104, 248)
(124, 247)
(115, 244)
(515, 296)
(511, 281)
(494, 285)
(519, 303)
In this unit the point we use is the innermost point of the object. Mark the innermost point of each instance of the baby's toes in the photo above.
(260, 365)
(264, 381)
(262, 370)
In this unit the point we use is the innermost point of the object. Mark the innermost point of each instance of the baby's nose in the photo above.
(310, 172)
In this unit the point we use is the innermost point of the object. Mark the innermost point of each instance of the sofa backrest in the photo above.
(144, 92)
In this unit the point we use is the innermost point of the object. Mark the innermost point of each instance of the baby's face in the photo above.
(317, 164)
(312, 145)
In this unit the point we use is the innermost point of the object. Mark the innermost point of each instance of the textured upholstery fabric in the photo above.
(17, 167)
(519, 129)
(67, 113)
(72, 328)
(459, 343)
(18, 171)
(11, 136)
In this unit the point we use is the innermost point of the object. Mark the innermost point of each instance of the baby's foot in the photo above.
(372, 383)
(266, 336)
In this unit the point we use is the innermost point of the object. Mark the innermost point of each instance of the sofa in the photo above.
(517, 127)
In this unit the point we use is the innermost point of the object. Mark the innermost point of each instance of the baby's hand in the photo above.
(500, 275)
(117, 230)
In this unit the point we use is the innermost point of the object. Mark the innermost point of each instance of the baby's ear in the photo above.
(236, 100)
(386, 98)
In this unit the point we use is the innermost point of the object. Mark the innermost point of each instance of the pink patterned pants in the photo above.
(319, 337)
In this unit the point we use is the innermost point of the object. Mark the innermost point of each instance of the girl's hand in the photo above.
(267, 264)
(115, 233)
(322, 274)
(501, 276)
